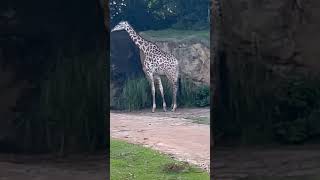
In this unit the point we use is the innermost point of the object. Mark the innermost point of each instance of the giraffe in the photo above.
(155, 62)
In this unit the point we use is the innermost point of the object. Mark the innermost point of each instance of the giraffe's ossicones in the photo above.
(155, 62)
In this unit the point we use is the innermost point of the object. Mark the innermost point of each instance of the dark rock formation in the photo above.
(41, 40)
(124, 62)
(270, 48)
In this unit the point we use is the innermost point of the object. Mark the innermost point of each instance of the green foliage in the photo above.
(136, 94)
(297, 111)
(192, 14)
(176, 35)
(129, 161)
(160, 14)
(263, 108)
(203, 96)
(70, 112)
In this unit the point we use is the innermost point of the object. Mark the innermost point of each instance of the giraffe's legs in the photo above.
(174, 95)
(153, 91)
(162, 93)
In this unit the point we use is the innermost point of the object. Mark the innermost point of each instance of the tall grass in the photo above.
(136, 94)
(259, 105)
(70, 112)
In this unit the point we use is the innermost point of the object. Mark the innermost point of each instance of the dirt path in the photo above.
(168, 132)
(17, 167)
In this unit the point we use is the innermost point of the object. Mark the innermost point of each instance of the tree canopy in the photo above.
(161, 14)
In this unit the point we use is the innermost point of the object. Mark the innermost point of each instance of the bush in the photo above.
(297, 112)
(69, 115)
(258, 106)
(136, 94)
(203, 96)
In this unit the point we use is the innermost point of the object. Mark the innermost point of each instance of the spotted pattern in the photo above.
(155, 63)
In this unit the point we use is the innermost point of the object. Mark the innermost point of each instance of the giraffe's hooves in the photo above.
(165, 109)
(153, 110)
(174, 108)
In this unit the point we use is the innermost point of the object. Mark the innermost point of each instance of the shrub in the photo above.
(297, 110)
(69, 115)
(203, 96)
(136, 94)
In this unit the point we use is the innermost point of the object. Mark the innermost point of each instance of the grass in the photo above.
(69, 114)
(136, 94)
(173, 34)
(133, 162)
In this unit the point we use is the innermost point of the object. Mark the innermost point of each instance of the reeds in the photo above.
(136, 94)
(70, 112)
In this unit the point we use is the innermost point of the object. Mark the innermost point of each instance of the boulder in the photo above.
(269, 52)
(124, 63)
(52, 64)
(193, 55)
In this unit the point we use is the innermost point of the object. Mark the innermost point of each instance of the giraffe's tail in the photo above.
(179, 86)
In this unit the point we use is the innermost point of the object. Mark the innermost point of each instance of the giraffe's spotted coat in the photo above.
(155, 63)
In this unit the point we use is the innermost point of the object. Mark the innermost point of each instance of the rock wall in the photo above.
(286, 32)
(269, 51)
(37, 45)
(124, 63)
(193, 55)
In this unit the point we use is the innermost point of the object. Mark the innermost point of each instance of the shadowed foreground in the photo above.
(29, 167)
(267, 163)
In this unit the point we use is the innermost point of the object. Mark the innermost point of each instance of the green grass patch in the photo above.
(129, 161)
(173, 34)
(136, 94)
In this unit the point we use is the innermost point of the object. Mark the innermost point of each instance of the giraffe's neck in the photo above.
(137, 39)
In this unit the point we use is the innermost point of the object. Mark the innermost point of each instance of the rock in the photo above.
(286, 31)
(124, 63)
(36, 44)
(265, 44)
(193, 55)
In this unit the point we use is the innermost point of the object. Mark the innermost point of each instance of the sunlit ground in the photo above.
(129, 161)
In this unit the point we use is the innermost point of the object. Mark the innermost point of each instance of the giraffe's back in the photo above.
(164, 63)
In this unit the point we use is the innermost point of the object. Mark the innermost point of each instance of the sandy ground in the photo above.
(172, 133)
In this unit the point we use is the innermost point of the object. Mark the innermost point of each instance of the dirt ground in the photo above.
(47, 167)
(170, 132)
(176, 135)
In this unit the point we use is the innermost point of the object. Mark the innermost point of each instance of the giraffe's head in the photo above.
(120, 26)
